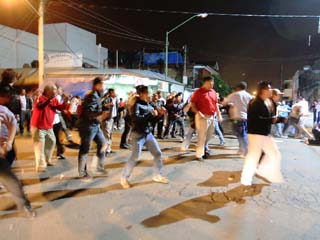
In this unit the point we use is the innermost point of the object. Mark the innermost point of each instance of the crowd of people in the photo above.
(51, 114)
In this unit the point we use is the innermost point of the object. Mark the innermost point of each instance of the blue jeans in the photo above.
(88, 134)
(138, 140)
(240, 128)
(218, 130)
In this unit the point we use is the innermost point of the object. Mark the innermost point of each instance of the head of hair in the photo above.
(263, 85)
(48, 88)
(207, 78)
(242, 86)
(110, 90)
(141, 89)
(6, 91)
(179, 94)
(97, 80)
(8, 76)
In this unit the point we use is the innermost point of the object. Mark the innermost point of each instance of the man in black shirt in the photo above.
(261, 115)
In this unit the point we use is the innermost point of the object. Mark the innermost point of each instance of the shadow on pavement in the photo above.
(198, 208)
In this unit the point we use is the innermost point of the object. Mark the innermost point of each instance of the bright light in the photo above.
(203, 15)
(254, 93)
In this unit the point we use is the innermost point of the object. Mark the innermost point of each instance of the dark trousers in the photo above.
(88, 134)
(126, 131)
(173, 122)
(159, 123)
(12, 184)
(25, 116)
(56, 129)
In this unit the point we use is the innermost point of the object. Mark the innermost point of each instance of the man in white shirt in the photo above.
(110, 104)
(238, 102)
(25, 111)
(304, 114)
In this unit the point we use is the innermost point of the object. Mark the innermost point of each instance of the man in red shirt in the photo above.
(42, 126)
(204, 103)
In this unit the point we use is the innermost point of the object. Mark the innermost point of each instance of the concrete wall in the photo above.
(17, 47)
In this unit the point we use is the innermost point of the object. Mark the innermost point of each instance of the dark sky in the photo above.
(246, 48)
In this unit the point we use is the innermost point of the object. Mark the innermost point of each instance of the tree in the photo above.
(221, 86)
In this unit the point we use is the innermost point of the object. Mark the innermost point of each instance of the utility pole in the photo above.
(185, 77)
(167, 52)
(281, 76)
(117, 59)
(41, 42)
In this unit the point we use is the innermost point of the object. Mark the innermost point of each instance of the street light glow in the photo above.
(202, 15)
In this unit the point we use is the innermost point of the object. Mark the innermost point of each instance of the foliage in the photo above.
(221, 86)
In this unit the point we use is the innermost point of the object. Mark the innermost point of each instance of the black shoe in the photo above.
(124, 146)
(173, 136)
(61, 157)
(160, 137)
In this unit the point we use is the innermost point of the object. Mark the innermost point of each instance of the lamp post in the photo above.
(40, 13)
(202, 15)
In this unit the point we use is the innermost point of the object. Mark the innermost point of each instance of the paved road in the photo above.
(203, 200)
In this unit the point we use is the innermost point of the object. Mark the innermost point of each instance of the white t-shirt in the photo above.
(57, 117)
(304, 107)
(7, 118)
(240, 101)
(23, 102)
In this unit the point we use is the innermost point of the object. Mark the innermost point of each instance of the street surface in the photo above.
(204, 200)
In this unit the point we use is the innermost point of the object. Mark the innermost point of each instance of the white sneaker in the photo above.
(160, 179)
(125, 183)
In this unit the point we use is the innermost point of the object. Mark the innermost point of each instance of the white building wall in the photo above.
(18, 47)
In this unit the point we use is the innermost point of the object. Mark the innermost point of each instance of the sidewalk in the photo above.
(203, 200)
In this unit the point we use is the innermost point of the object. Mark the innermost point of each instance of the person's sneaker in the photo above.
(206, 155)
(28, 212)
(222, 144)
(124, 146)
(40, 169)
(61, 157)
(125, 183)
(101, 171)
(86, 178)
(50, 164)
(160, 179)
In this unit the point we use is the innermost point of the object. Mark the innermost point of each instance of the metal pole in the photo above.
(167, 52)
(41, 42)
(117, 59)
(185, 61)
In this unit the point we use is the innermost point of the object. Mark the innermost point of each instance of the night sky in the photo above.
(246, 48)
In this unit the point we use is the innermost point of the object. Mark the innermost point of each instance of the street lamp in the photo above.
(201, 15)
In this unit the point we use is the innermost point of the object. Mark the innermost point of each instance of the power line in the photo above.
(103, 30)
(95, 27)
(211, 13)
(107, 21)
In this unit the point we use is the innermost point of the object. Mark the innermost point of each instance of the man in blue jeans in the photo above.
(89, 130)
(238, 102)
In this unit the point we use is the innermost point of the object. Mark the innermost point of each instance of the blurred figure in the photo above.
(261, 115)
(238, 107)
(121, 112)
(26, 105)
(283, 110)
(7, 134)
(110, 105)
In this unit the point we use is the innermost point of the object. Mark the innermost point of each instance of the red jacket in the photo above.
(44, 111)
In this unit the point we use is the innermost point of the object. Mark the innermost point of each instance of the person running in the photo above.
(261, 115)
(204, 103)
(90, 130)
(142, 115)
(238, 102)
(7, 134)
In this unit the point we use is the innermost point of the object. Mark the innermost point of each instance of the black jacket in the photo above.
(91, 109)
(142, 117)
(260, 117)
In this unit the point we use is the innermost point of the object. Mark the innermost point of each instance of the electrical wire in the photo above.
(105, 20)
(95, 27)
(100, 29)
(212, 13)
